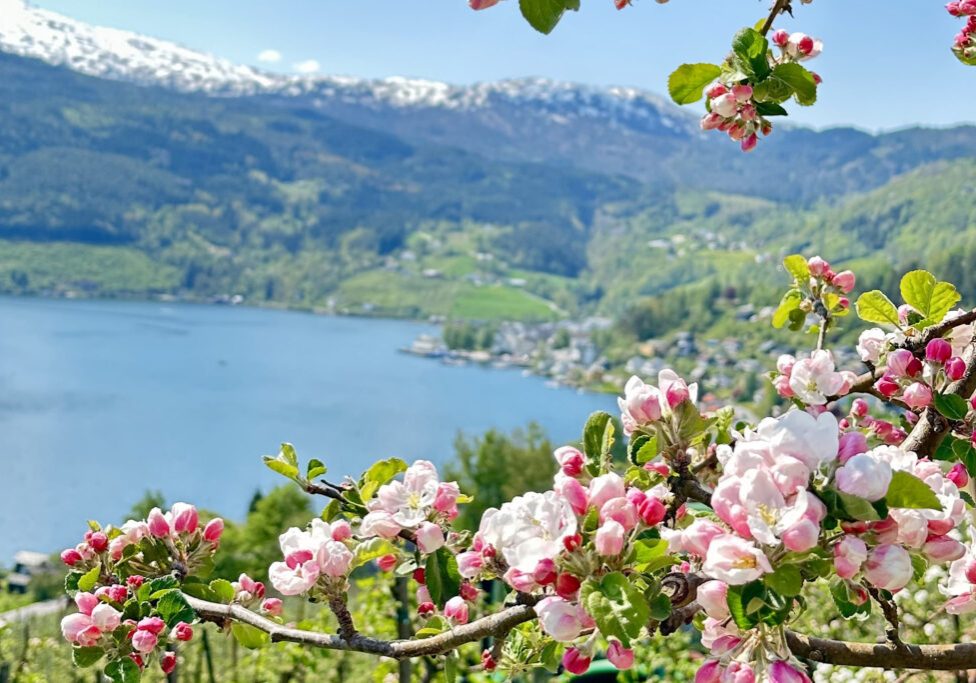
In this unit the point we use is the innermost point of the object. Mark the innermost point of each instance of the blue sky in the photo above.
(885, 64)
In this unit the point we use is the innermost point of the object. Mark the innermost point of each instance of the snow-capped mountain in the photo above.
(111, 53)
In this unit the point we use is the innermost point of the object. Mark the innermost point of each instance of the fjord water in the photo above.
(102, 400)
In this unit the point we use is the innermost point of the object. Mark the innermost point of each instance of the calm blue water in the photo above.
(101, 400)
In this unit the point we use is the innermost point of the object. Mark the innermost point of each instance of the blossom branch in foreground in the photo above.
(951, 657)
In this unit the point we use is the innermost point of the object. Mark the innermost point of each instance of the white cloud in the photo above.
(269, 56)
(309, 66)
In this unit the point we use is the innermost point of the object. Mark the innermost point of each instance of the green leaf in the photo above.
(315, 469)
(248, 636)
(687, 82)
(173, 608)
(798, 79)
(88, 580)
(597, 440)
(770, 109)
(542, 15)
(858, 508)
(84, 657)
(847, 609)
(201, 591)
(282, 467)
(372, 549)
(378, 474)
(123, 671)
(450, 668)
(749, 48)
(739, 598)
(647, 551)
(71, 581)
(875, 307)
(786, 580)
(908, 491)
(797, 266)
(932, 299)
(442, 576)
(952, 406)
(790, 302)
(224, 590)
(642, 449)
(616, 605)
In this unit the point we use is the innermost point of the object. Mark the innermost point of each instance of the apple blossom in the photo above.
(529, 528)
(849, 554)
(429, 537)
(870, 345)
(272, 607)
(735, 561)
(865, 475)
(213, 530)
(917, 396)
(609, 538)
(712, 596)
(888, 567)
(814, 379)
(561, 619)
(167, 662)
(570, 460)
(456, 609)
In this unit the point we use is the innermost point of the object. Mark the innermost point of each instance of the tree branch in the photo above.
(954, 657)
(779, 7)
(494, 624)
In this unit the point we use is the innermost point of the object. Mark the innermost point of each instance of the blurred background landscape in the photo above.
(521, 246)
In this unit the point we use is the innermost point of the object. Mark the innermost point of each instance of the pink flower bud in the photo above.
(917, 396)
(780, 38)
(716, 90)
(567, 586)
(801, 537)
(97, 541)
(469, 564)
(168, 662)
(888, 567)
(185, 518)
(941, 549)
(341, 530)
(605, 487)
(570, 460)
(609, 538)
(134, 581)
(851, 444)
(886, 386)
(573, 492)
(144, 641)
(651, 511)
(621, 657)
(713, 597)
(901, 363)
(183, 631)
(621, 511)
(749, 142)
(273, 607)
(430, 537)
(387, 562)
(805, 45)
(158, 525)
(710, 671)
(213, 531)
(844, 281)
(958, 475)
(71, 557)
(782, 672)
(859, 407)
(575, 662)
(849, 554)
(938, 350)
(573, 542)
(677, 393)
(742, 93)
(456, 609)
(426, 609)
(818, 267)
(545, 572)
(482, 4)
(488, 662)
(469, 592)
(955, 368)
(154, 625)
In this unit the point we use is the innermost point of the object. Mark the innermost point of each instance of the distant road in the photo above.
(35, 609)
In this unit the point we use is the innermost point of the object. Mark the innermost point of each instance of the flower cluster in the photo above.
(739, 104)
(964, 45)
(420, 504)
(813, 380)
(316, 560)
(116, 573)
